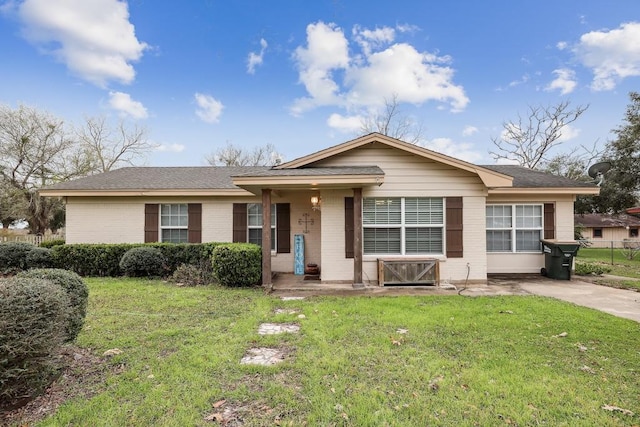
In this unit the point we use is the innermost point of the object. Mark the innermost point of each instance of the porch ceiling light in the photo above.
(315, 202)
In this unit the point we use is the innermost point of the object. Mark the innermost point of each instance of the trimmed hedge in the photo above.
(237, 264)
(104, 259)
(76, 290)
(39, 258)
(143, 261)
(33, 314)
(13, 256)
(51, 243)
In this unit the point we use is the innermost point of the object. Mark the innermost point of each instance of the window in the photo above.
(174, 221)
(514, 228)
(403, 225)
(254, 224)
(633, 232)
(597, 233)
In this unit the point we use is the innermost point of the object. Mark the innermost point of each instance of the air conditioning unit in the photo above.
(408, 271)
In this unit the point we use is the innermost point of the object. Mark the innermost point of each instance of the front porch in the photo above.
(289, 283)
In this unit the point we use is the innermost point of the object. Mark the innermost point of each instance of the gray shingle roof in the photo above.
(221, 177)
(529, 178)
(169, 178)
(325, 171)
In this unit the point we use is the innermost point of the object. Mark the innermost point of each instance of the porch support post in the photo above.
(357, 238)
(266, 238)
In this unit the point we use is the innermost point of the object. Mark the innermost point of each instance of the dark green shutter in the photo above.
(283, 228)
(348, 227)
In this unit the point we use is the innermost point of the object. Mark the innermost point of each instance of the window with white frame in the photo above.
(403, 225)
(254, 224)
(174, 221)
(514, 228)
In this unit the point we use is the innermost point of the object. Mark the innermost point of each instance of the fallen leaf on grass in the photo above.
(112, 352)
(585, 368)
(506, 312)
(561, 335)
(214, 417)
(402, 331)
(433, 384)
(395, 341)
(219, 403)
(616, 409)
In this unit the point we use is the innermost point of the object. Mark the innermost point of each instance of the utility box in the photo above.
(558, 258)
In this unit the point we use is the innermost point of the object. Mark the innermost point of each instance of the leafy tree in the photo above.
(391, 121)
(231, 155)
(621, 186)
(529, 140)
(35, 151)
(11, 205)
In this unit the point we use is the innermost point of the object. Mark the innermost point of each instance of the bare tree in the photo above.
(108, 147)
(529, 140)
(573, 165)
(391, 121)
(231, 155)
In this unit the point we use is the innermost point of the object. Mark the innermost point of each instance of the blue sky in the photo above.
(301, 74)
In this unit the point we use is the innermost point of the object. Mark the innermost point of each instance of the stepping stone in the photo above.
(277, 328)
(262, 356)
(291, 298)
(285, 311)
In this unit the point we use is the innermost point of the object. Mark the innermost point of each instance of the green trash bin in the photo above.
(558, 258)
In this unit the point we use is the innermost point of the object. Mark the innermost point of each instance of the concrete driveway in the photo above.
(619, 302)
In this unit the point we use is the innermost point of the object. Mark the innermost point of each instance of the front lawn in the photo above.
(357, 361)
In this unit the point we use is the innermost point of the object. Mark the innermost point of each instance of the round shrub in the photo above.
(13, 256)
(143, 261)
(39, 258)
(76, 290)
(237, 264)
(33, 315)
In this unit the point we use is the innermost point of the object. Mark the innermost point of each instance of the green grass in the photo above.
(463, 361)
(621, 266)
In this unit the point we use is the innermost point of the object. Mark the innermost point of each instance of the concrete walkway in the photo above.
(619, 302)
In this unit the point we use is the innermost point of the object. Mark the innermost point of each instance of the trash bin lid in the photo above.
(566, 246)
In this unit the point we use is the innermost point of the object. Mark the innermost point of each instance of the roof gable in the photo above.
(489, 177)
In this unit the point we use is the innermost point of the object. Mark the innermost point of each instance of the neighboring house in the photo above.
(601, 230)
(375, 198)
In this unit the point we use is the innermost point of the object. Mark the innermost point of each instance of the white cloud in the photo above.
(334, 76)
(327, 50)
(568, 133)
(562, 45)
(460, 150)
(209, 109)
(611, 55)
(170, 148)
(94, 39)
(469, 130)
(122, 102)
(565, 81)
(371, 39)
(524, 79)
(255, 59)
(345, 124)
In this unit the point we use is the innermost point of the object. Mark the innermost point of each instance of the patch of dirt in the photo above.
(82, 377)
